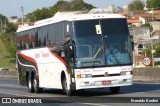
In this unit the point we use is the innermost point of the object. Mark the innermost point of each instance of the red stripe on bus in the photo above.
(29, 59)
(58, 57)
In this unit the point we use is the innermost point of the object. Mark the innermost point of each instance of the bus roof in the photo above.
(69, 16)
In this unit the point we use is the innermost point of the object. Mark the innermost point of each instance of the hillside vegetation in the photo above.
(5, 60)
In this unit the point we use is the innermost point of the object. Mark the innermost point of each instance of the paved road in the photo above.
(95, 97)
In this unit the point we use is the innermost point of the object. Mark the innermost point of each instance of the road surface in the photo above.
(146, 93)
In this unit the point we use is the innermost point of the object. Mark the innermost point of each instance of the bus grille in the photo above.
(106, 76)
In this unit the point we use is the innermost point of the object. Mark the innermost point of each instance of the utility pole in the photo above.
(152, 53)
(22, 10)
(152, 14)
(1, 26)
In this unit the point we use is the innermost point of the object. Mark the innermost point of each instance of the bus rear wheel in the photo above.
(36, 87)
(30, 84)
(114, 90)
(67, 91)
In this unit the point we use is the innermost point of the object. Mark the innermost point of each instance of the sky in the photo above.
(10, 8)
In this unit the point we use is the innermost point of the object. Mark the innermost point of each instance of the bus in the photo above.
(67, 51)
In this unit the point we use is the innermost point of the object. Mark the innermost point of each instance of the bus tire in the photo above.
(30, 84)
(67, 91)
(36, 87)
(114, 90)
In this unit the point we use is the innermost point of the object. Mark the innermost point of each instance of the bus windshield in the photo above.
(103, 42)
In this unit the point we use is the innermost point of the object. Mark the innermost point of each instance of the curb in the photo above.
(8, 74)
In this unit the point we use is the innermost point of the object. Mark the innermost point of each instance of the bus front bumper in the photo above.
(103, 82)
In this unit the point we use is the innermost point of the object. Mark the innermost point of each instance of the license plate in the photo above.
(106, 82)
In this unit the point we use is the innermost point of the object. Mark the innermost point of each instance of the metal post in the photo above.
(134, 53)
(1, 26)
(152, 52)
(22, 15)
(152, 14)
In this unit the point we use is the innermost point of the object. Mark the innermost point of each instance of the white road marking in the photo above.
(95, 104)
(145, 83)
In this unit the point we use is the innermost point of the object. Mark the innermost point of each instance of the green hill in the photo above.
(5, 61)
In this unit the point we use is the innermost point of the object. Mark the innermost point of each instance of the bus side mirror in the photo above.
(67, 38)
(70, 51)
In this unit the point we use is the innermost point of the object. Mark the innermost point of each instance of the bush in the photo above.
(9, 39)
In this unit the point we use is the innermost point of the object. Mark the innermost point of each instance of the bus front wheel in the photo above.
(114, 90)
(67, 91)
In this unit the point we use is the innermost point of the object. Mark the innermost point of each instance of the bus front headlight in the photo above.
(84, 76)
(126, 72)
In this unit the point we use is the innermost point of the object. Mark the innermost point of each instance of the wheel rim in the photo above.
(35, 83)
(65, 85)
(29, 84)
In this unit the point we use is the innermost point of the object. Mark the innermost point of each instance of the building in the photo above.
(13, 19)
(125, 8)
(111, 8)
(144, 38)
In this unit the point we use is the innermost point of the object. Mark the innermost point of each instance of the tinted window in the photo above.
(25, 40)
(114, 27)
(36, 38)
(32, 38)
(51, 35)
(39, 37)
(43, 38)
(59, 32)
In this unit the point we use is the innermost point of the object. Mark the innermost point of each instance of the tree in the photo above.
(136, 5)
(3, 21)
(61, 5)
(132, 26)
(10, 27)
(147, 25)
(153, 4)
(38, 14)
(119, 9)
(3, 18)
(80, 5)
(9, 40)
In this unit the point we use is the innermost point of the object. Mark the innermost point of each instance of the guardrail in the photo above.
(148, 74)
(140, 74)
(8, 74)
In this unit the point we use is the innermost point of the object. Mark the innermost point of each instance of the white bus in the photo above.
(67, 51)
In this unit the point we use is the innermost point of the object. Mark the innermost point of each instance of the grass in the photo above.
(5, 60)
